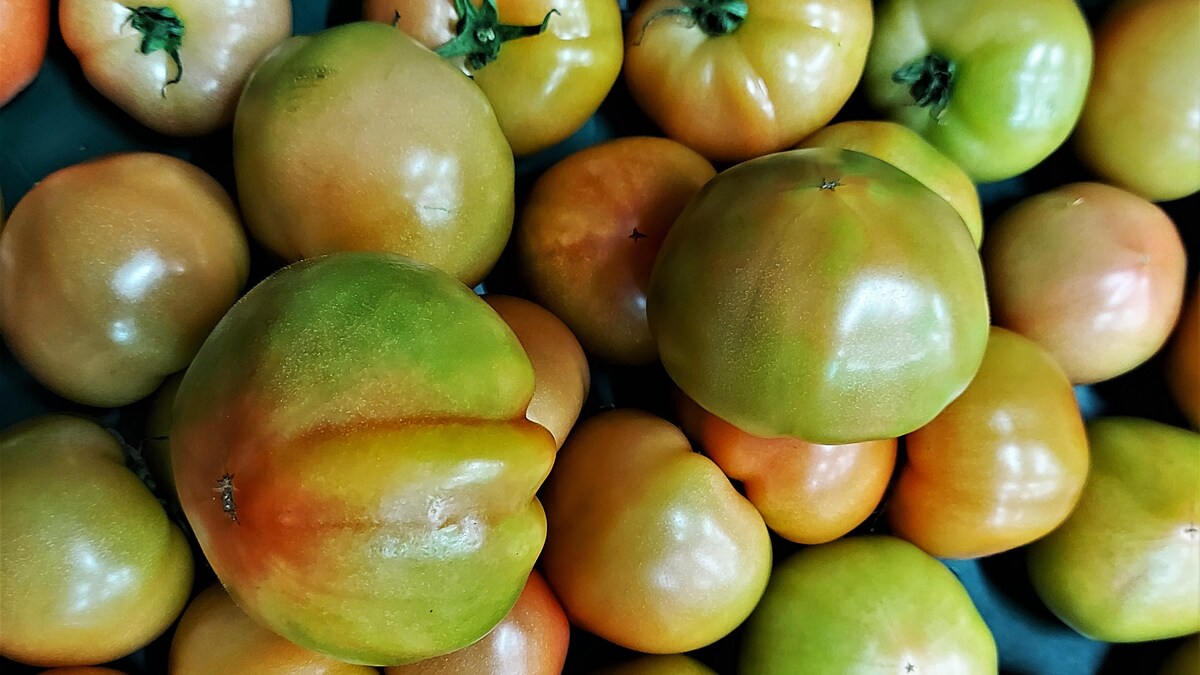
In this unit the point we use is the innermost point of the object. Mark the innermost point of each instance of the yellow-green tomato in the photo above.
(1125, 566)
(352, 450)
(996, 85)
(870, 604)
(91, 569)
(822, 294)
(649, 545)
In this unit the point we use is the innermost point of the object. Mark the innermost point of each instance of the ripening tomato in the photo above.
(1184, 660)
(351, 442)
(806, 492)
(1092, 273)
(736, 79)
(1183, 361)
(545, 65)
(156, 449)
(1125, 566)
(91, 569)
(178, 68)
(649, 545)
(1140, 127)
(996, 85)
(332, 153)
(1002, 465)
(822, 294)
(215, 636)
(531, 640)
(24, 31)
(591, 229)
(560, 369)
(113, 271)
(904, 149)
(869, 604)
(666, 664)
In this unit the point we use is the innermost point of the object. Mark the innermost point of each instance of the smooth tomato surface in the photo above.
(1092, 273)
(1002, 465)
(1183, 361)
(822, 294)
(649, 545)
(591, 230)
(736, 80)
(24, 30)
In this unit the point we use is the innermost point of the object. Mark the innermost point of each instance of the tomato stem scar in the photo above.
(225, 487)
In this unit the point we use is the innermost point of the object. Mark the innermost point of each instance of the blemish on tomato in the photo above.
(225, 487)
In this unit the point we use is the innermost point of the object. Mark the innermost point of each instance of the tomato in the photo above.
(1002, 465)
(735, 79)
(904, 149)
(806, 492)
(545, 65)
(672, 664)
(176, 68)
(331, 153)
(24, 30)
(1092, 273)
(113, 271)
(821, 294)
(1140, 127)
(649, 545)
(215, 636)
(82, 670)
(1183, 360)
(996, 85)
(560, 369)
(531, 640)
(865, 604)
(591, 229)
(351, 442)
(1184, 659)
(156, 449)
(91, 569)
(1125, 566)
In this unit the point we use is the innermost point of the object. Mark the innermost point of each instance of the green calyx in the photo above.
(930, 81)
(161, 29)
(714, 17)
(480, 33)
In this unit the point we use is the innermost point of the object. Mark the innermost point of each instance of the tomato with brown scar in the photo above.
(351, 448)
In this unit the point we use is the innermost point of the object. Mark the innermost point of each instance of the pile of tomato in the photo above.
(541, 336)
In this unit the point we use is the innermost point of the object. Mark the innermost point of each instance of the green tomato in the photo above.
(996, 85)
(865, 604)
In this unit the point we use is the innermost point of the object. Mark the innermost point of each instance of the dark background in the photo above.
(61, 120)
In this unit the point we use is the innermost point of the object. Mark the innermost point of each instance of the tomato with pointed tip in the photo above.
(24, 32)
(545, 65)
(178, 67)
(1183, 360)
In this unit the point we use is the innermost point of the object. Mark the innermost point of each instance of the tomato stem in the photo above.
(480, 33)
(161, 29)
(714, 17)
(931, 81)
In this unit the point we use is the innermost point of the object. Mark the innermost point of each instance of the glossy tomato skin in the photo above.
(81, 583)
(661, 664)
(821, 294)
(215, 636)
(331, 154)
(806, 492)
(531, 640)
(560, 369)
(783, 73)
(591, 230)
(222, 42)
(113, 271)
(1125, 567)
(1002, 465)
(649, 545)
(1021, 70)
(1140, 127)
(865, 604)
(24, 30)
(1183, 360)
(543, 87)
(904, 149)
(1092, 273)
(351, 441)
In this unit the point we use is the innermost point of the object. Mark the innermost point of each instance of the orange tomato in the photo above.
(24, 30)
(1183, 361)
(806, 492)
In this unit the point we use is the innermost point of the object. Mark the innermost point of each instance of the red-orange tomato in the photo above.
(590, 232)
(1092, 273)
(531, 640)
(1183, 361)
(24, 29)
(806, 492)
(1002, 465)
